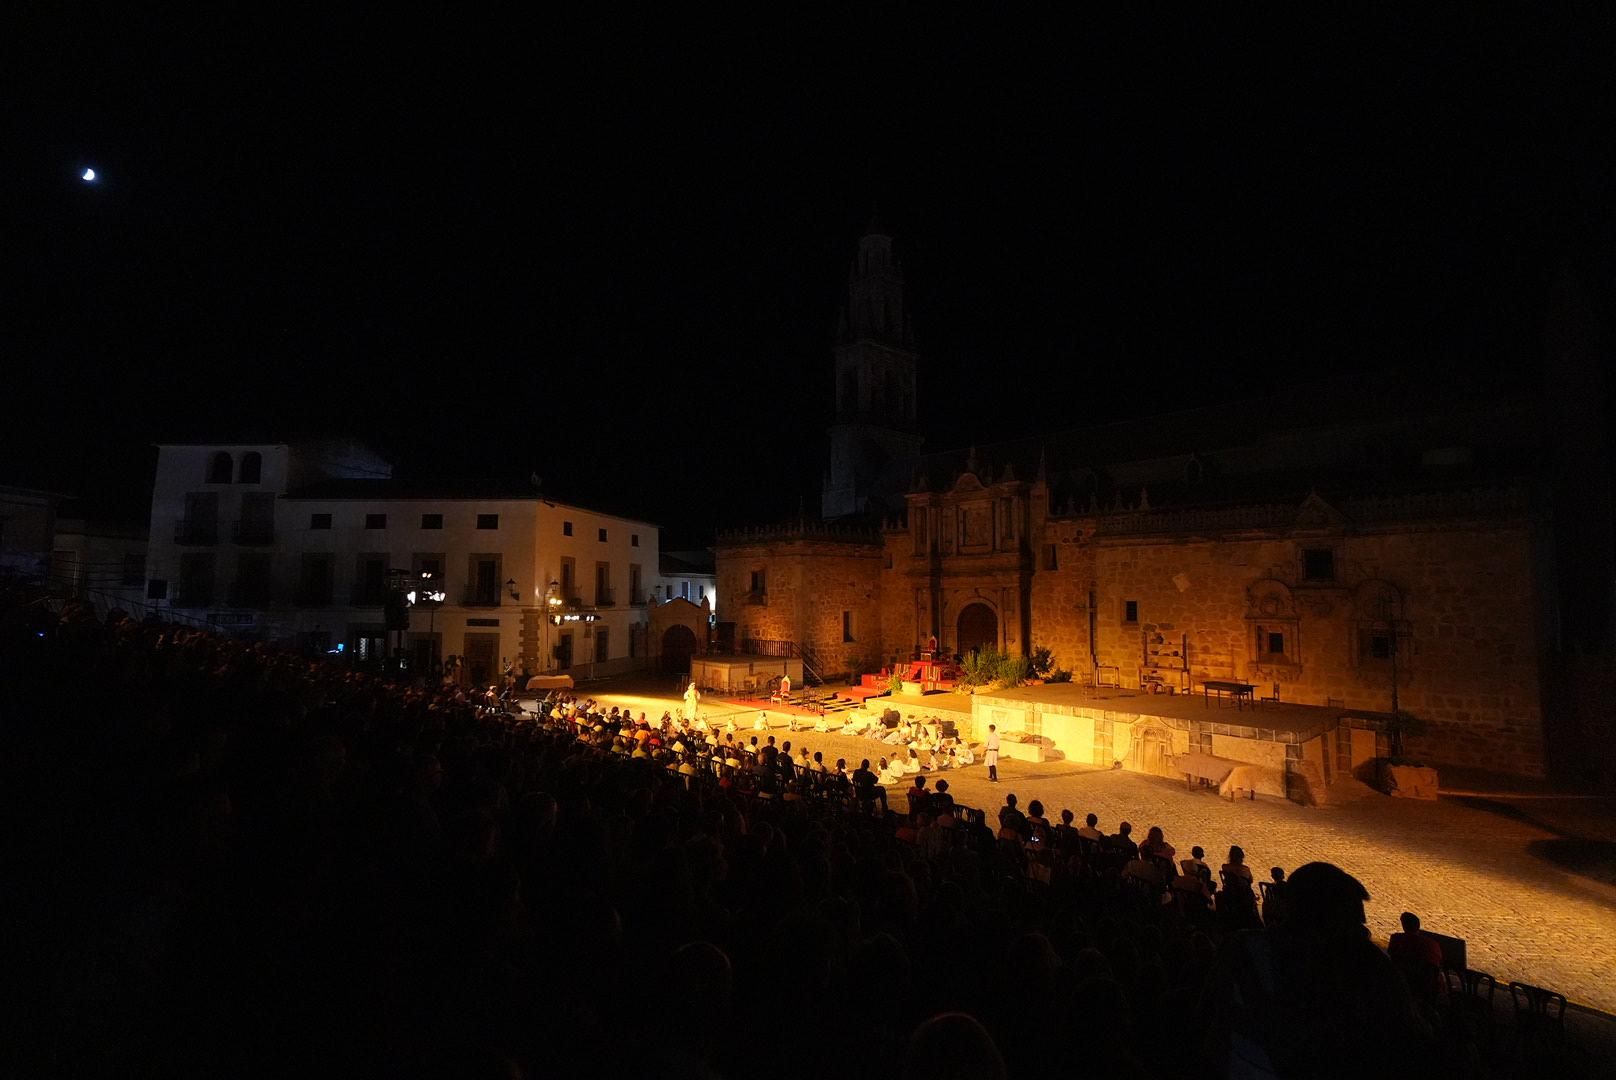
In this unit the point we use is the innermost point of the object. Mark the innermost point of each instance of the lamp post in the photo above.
(1394, 631)
(552, 616)
(428, 593)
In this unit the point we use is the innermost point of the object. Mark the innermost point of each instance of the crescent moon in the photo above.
(89, 175)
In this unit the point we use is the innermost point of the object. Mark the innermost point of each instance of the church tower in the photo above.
(874, 442)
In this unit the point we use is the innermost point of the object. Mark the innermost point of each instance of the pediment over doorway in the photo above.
(1316, 513)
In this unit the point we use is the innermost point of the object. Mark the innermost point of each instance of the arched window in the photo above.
(219, 468)
(252, 468)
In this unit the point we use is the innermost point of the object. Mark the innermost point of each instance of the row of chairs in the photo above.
(1539, 1013)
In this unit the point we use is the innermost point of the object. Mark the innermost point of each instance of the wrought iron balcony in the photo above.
(605, 597)
(196, 531)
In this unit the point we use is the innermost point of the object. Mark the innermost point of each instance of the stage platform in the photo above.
(733, 674)
(1296, 750)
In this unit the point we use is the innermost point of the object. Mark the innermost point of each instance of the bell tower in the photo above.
(874, 442)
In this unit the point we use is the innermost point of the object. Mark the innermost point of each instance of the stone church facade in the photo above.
(1325, 552)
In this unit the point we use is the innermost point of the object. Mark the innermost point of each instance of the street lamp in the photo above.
(552, 607)
(428, 593)
(1395, 633)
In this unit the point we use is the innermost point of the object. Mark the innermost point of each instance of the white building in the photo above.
(304, 543)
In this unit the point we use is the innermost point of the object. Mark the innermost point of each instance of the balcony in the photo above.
(254, 532)
(475, 597)
(636, 598)
(368, 596)
(196, 531)
(605, 597)
(757, 598)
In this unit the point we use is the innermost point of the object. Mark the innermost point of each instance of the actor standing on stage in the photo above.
(990, 753)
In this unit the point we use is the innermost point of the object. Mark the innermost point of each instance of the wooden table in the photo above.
(1240, 691)
(1223, 772)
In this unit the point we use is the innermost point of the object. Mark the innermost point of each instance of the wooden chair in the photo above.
(1470, 1002)
(1539, 1017)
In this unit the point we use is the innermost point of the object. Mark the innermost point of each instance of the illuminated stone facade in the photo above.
(1309, 544)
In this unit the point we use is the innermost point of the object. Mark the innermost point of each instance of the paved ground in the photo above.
(1476, 869)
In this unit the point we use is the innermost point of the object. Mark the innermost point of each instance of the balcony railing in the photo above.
(605, 597)
(367, 595)
(757, 598)
(636, 598)
(194, 531)
(254, 532)
(475, 597)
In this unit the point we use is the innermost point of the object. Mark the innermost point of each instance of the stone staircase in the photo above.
(825, 702)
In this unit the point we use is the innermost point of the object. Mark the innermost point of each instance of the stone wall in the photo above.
(1060, 596)
(1468, 657)
(1467, 666)
(810, 583)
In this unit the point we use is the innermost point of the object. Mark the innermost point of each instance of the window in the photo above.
(603, 649)
(314, 584)
(196, 581)
(252, 468)
(431, 521)
(319, 521)
(569, 580)
(603, 536)
(566, 528)
(157, 589)
(1318, 564)
(219, 468)
(603, 584)
(134, 569)
(488, 521)
(375, 521)
(484, 581)
(370, 580)
(887, 561)
(1276, 644)
(1379, 644)
(429, 564)
(759, 581)
(684, 590)
(1051, 559)
(252, 580)
(1130, 611)
(636, 594)
(633, 539)
(847, 626)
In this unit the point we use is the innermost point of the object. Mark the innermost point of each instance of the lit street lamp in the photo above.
(552, 607)
(428, 593)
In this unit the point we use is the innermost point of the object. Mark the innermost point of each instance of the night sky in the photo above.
(613, 254)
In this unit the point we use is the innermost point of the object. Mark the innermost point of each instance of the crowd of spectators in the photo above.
(240, 861)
